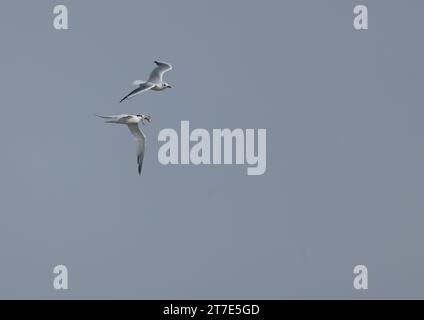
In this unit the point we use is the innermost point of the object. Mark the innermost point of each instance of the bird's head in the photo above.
(144, 118)
(166, 85)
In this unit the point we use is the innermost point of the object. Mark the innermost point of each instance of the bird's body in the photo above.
(155, 81)
(159, 87)
(132, 122)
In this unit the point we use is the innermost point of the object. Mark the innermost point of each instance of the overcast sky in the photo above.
(344, 182)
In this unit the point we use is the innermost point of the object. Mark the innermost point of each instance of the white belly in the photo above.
(158, 87)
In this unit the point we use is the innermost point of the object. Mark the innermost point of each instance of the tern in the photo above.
(155, 81)
(132, 122)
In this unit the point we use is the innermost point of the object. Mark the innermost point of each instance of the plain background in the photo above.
(344, 182)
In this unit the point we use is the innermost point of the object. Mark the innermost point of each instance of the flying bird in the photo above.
(132, 122)
(155, 81)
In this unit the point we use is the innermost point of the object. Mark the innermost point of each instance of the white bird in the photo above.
(155, 81)
(132, 122)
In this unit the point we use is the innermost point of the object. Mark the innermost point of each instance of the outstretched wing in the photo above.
(140, 140)
(156, 76)
(143, 87)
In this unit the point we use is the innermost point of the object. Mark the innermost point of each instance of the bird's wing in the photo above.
(140, 140)
(143, 87)
(156, 76)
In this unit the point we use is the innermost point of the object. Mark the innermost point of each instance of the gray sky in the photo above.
(344, 181)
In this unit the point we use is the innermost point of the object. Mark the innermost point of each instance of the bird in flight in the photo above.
(132, 122)
(155, 81)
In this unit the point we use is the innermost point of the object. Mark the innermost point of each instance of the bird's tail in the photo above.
(106, 117)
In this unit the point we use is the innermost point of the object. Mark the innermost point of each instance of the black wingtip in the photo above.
(157, 62)
(139, 165)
